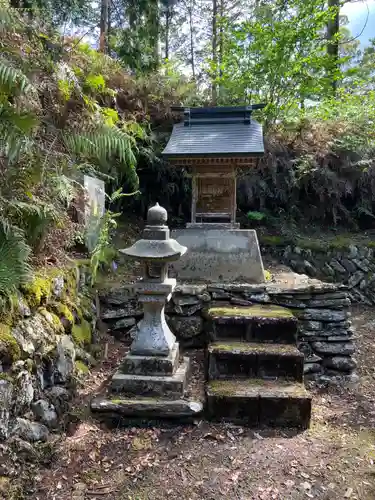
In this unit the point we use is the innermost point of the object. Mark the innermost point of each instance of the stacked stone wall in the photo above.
(45, 344)
(351, 265)
(325, 333)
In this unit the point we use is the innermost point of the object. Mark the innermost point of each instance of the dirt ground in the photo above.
(334, 459)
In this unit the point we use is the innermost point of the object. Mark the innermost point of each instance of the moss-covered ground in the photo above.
(317, 241)
(333, 460)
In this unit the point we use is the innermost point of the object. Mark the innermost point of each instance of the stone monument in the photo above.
(152, 378)
(94, 208)
(213, 145)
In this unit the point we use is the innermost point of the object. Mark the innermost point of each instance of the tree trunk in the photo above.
(103, 40)
(214, 51)
(221, 44)
(192, 52)
(167, 20)
(333, 28)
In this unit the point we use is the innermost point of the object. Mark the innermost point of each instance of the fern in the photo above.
(34, 219)
(105, 143)
(15, 269)
(9, 18)
(12, 80)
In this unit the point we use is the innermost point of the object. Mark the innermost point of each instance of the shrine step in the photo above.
(243, 359)
(258, 323)
(257, 402)
(168, 386)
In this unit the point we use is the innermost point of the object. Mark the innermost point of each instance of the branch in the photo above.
(363, 29)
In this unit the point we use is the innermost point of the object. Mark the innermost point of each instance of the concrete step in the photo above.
(257, 402)
(258, 323)
(243, 359)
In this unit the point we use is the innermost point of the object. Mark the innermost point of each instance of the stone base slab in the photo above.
(219, 255)
(151, 365)
(151, 385)
(142, 407)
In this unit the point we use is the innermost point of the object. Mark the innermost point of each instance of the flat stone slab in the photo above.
(142, 407)
(219, 255)
(266, 361)
(151, 385)
(257, 402)
(258, 323)
(151, 365)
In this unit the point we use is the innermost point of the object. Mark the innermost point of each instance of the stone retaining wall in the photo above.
(325, 333)
(44, 348)
(351, 265)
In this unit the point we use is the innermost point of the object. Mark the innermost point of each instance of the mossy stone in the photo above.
(52, 319)
(62, 311)
(82, 333)
(6, 376)
(9, 348)
(261, 311)
(81, 367)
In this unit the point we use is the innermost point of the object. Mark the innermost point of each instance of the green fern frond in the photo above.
(15, 269)
(34, 218)
(12, 80)
(104, 144)
(9, 18)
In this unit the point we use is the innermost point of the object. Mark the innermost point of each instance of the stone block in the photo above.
(151, 365)
(254, 323)
(324, 315)
(219, 255)
(257, 402)
(142, 407)
(186, 327)
(340, 363)
(279, 408)
(334, 348)
(244, 359)
(229, 359)
(226, 402)
(149, 385)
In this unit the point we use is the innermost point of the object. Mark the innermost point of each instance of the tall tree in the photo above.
(104, 19)
(215, 16)
(276, 56)
(333, 30)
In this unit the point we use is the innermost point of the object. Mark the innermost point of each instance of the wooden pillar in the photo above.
(234, 199)
(194, 198)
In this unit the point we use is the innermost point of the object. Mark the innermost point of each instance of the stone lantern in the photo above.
(153, 366)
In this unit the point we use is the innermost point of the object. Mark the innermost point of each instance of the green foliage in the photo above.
(15, 269)
(12, 79)
(9, 349)
(275, 57)
(102, 254)
(95, 82)
(255, 216)
(82, 333)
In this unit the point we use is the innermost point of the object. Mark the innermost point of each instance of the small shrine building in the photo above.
(213, 145)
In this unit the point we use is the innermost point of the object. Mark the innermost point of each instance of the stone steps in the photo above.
(259, 402)
(258, 323)
(243, 359)
(254, 369)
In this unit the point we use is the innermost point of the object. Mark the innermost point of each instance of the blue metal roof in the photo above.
(218, 131)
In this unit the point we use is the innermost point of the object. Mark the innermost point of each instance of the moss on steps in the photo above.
(256, 311)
